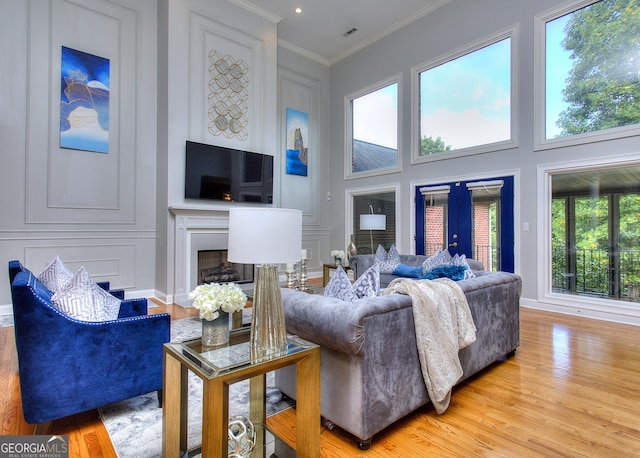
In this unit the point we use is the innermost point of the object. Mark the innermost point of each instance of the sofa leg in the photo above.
(363, 444)
(41, 428)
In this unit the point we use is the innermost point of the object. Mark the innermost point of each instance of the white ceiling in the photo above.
(319, 31)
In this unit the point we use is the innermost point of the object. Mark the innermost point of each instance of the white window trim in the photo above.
(349, 194)
(539, 90)
(511, 32)
(348, 133)
(600, 308)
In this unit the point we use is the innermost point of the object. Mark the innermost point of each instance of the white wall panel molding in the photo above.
(114, 262)
(73, 186)
(75, 235)
(300, 93)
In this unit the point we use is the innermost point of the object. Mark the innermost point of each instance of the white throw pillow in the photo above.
(368, 284)
(461, 260)
(55, 276)
(387, 261)
(84, 300)
(340, 287)
(439, 258)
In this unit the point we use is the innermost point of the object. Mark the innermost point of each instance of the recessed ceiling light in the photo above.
(298, 10)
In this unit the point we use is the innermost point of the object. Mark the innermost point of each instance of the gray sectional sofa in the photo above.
(370, 372)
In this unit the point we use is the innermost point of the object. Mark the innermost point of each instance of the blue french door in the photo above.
(472, 217)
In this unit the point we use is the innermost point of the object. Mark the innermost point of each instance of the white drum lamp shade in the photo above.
(373, 222)
(264, 235)
(370, 222)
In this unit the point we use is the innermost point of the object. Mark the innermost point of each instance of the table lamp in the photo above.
(266, 237)
(370, 222)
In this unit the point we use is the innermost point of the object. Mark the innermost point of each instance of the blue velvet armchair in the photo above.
(67, 366)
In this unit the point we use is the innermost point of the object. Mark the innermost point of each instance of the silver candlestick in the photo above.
(302, 279)
(290, 280)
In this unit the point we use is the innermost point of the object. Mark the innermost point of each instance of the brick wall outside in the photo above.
(482, 234)
(434, 233)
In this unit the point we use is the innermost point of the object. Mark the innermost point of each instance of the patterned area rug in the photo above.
(135, 425)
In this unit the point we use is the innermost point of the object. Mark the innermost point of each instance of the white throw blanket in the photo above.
(443, 325)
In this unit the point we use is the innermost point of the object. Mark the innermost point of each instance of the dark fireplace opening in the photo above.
(213, 267)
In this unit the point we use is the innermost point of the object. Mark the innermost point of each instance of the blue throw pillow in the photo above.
(447, 271)
(403, 270)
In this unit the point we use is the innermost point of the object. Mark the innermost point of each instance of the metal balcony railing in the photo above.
(599, 273)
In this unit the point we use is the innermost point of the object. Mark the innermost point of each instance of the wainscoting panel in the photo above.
(300, 93)
(71, 185)
(111, 262)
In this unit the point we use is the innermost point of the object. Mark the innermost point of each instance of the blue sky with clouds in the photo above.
(375, 117)
(467, 101)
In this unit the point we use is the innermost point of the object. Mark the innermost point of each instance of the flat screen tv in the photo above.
(219, 173)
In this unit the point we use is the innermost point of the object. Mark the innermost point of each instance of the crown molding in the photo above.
(303, 52)
(257, 10)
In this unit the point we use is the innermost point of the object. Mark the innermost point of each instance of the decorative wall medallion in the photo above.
(228, 96)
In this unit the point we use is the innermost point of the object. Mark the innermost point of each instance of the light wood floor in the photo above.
(572, 389)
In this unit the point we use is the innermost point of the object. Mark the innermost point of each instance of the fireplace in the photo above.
(213, 267)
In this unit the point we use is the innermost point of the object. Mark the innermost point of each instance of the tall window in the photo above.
(595, 236)
(372, 133)
(591, 71)
(463, 103)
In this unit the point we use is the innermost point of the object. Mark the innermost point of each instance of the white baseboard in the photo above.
(585, 312)
(145, 293)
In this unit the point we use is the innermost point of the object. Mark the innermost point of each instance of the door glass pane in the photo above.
(486, 227)
(562, 275)
(436, 216)
(595, 233)
(629, 242)
(592, 251)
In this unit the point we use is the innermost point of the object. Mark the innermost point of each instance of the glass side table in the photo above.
(219, 367)
(328, 268)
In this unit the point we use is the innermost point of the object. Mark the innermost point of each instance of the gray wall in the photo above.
(92, 209)
(304, 86)
(451, 27)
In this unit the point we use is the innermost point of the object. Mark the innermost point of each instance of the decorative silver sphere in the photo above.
(242, 437)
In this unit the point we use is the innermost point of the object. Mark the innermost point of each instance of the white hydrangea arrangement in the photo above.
(338, 254)
(212, 297)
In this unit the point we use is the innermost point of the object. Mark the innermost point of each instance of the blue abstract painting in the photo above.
(84, 101)
(297, 139)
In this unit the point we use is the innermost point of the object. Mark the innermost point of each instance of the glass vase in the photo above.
(268, 333)
(215, 332)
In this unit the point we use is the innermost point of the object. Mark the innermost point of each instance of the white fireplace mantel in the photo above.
(195, 229)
